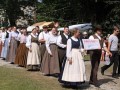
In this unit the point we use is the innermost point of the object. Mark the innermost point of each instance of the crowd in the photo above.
(58, 54)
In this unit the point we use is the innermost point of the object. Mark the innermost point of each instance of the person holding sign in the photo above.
(95, 55)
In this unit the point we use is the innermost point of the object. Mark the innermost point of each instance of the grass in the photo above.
(20, 79)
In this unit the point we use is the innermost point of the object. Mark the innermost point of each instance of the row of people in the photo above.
(53, 53)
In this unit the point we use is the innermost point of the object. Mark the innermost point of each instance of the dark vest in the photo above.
(7, 35)
(64, 40)
(75, 44)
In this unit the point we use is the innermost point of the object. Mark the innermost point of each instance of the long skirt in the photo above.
(0, 47)
(42, 49)
(21, 56)
(5, 49)
(74, 72)
(33, 58)
(12, 51)
(50, 64)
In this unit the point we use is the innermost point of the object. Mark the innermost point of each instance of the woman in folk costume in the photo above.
(74, 70)
(2, 30)
(33, 59)
(50, 62)
(22, 51)
(13, 45)
(5, 42)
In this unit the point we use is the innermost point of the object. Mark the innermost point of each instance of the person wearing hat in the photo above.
(42, 39)
(95, 55)
(113, 47)
(33, 58)
(85, 35)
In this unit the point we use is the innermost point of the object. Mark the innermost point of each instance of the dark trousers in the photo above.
(119, 65)
(62, 55)
(95, 61)
(114, 59)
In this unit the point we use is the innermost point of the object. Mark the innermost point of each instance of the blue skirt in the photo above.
(5, 49)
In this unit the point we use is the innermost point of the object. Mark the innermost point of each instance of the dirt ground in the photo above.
(106, 82)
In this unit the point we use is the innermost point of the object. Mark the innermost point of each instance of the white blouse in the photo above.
(69, 47)
(28, 43)
(22, 38)
(52, 39)
(13, 35)
(59, 41)
(43, 35)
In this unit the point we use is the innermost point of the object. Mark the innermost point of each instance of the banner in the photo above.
(91, 44)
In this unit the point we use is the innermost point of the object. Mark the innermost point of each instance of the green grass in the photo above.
(20, 79)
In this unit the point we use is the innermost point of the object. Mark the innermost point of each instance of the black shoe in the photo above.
(115, 76)
(12, 63)
(102, 71)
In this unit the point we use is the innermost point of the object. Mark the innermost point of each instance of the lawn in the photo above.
(20, 79)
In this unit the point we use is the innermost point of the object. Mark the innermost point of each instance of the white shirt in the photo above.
(59, 41)
(52, 39)
(91, 37)
(43, 35)
(69, 47)
(28, 43)
(13, 35)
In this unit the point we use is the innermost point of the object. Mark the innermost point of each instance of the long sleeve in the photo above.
(3, 37)
(69, 48)
(28, 43)
(59, 42)
(48, 46)
(10, 35)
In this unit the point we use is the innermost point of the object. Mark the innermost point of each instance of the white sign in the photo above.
(91, 44)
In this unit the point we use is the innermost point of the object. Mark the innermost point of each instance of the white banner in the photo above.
(91, 44)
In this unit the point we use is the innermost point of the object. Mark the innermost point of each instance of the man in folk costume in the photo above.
(62, 43)
(96, 55)
(42, 39)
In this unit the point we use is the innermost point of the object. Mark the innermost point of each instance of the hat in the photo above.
(30, 28)
(84, 32)
(45, 26)
(98, 28)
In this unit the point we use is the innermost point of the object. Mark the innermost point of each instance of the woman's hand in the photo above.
(30, 50)
(70, 61)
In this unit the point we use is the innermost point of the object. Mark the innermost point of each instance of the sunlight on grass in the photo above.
(20, 79)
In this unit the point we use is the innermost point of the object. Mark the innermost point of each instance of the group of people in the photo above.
(57, 54)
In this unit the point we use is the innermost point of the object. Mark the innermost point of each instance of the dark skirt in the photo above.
(50, 65)
(21, 56)
(42, 49)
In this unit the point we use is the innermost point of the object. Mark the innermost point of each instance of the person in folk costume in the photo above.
(33, 58)
(42, 39)
(1, 31)
(74, 70)
(95, 56)
(22, 51)
(38, 30)
(13, 45)
(5, 42)
(62, 43)
(50, 62)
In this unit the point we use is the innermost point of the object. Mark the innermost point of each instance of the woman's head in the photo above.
(54, 31)
(34, 31)
(24, 31)
(76, 32)
(14, 28)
